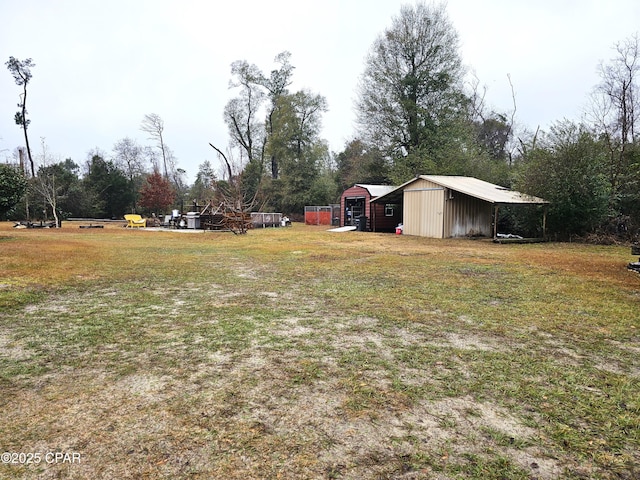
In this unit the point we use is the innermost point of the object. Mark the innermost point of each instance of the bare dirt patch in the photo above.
(276, 358)
(13, 349)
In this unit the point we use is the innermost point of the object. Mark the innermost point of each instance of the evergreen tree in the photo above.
(13, 186)
(568, 168)
(108, 188)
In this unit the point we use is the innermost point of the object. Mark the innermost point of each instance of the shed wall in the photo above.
(423, 211)
(380, 222)
(466, 216)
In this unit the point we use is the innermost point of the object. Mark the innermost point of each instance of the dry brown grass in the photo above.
(297, 353)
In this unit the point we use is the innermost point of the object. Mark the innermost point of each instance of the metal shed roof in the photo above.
(376, 190)
(474, 187)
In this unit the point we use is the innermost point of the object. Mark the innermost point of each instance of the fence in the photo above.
(322, 215)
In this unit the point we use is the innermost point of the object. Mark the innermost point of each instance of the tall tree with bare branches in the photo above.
(276, 85)
(21, 71)
(615, 109)
(153, 124)
(241, 114)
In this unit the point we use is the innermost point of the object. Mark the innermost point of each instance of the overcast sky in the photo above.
(102, 65)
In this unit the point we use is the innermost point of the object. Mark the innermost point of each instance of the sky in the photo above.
(101, 66)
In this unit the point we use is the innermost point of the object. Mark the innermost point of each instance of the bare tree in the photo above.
(226, 161)
(128, 156)
(237, 203)
(619, 85)
(477, 103)
(45, 183)
(527, 140)
(151, 157)
(153, 124)
(613, 108)
(494, 130)
(241, 113)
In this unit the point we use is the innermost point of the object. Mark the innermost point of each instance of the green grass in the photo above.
(297, 353)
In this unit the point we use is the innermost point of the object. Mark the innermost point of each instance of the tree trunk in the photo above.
(24, 128)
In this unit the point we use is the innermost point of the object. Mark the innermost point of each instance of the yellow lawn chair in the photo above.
(135, 221)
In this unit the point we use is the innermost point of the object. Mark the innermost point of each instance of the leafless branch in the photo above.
(224, 157)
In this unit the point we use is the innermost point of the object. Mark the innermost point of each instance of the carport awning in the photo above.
(376, 190)
(394, 196)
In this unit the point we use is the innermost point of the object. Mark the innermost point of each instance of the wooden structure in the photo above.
(357, 209)
(440, 206)
(224, 218)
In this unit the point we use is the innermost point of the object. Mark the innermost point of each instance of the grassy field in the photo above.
(300, 354)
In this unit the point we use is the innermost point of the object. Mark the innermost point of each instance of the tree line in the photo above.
(417, 113)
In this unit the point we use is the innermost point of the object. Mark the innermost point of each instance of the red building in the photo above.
(356, 208)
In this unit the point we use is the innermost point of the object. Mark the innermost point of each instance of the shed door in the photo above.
(423, 212)
(354, 207)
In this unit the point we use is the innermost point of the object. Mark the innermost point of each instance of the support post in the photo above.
(495, 222)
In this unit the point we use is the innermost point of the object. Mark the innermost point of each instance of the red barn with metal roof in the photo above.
(356, 207)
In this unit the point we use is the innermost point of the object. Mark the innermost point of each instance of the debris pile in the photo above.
(635, 266)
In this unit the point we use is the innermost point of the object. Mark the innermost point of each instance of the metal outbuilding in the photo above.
(356, 208)
(442, 206)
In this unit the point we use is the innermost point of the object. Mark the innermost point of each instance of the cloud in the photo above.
(101, 66)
